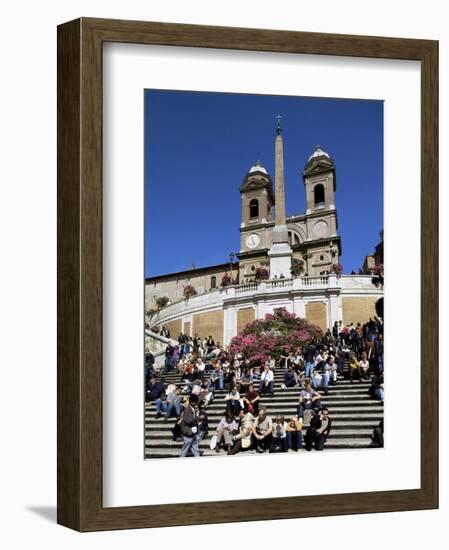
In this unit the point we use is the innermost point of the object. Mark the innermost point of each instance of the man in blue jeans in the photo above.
(216, 378)
(309, 360)
(155, 392)
(189, 428)
(173, 403)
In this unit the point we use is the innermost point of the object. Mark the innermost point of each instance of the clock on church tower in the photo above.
(257, 216)
(252, 241)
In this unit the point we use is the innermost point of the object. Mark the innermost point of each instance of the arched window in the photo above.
(318, 193)
(253, 208)
(293, 238)
(213, 282)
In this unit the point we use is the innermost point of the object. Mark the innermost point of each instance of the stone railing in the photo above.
(245, 288)
(156, 344)
(273, 284)
(322, 280)
(345, 284)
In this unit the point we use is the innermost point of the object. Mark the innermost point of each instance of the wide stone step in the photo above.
(294, 396)
(353, 427)
(166, 429)
(336, 444)
(333, 406)
(277, 384)
(290, 397)
(353, 411)
(163, 442)
(336, 415)
(337, 431)
(278, 374)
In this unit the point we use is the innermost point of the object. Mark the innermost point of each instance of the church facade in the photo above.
(299, 252)
(312, 235)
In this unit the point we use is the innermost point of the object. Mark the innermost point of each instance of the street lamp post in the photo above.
(231, 259)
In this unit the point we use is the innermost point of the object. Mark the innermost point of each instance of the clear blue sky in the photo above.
(199, 147)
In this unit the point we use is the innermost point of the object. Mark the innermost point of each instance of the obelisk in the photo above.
(280, 253)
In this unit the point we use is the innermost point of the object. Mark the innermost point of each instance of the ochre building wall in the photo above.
(316, 313)
(174, 327)
(358, 309)
(244, 316)
(209, 323)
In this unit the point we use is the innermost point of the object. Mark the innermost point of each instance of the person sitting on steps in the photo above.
(318, 431)
(251, 400)
(243, 435)
(262, 431)
(354, 369)
(309, 399)
(290, 379)
(279, 443)
(233, 401)
(266, 381)
(294, 433)
(224, 432)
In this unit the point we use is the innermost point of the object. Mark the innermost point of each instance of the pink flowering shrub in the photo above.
(279, 333)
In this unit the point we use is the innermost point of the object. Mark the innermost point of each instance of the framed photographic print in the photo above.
(247, 239)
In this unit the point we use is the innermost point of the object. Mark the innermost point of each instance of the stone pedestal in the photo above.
(280, 253)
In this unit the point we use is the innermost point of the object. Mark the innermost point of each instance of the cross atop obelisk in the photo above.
(278, 127)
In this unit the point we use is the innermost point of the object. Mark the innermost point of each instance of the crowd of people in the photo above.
(205, 368)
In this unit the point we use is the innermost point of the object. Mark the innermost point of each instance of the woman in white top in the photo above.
(279, 435)
(266, 381)
(233, 402)
(364, 366)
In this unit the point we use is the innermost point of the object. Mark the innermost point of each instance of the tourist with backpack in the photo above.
(189, 428)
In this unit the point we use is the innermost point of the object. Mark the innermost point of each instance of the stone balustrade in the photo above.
(293, 291)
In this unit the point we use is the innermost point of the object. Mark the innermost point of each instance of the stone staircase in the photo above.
(354, 416)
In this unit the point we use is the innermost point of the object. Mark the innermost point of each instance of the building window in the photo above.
(293, 238)
(318, 193)
(253, 208)
(213, 282)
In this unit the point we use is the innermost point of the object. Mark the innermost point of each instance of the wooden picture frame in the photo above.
(80, 504)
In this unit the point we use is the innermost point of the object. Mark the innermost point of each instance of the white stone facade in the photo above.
(265, 296)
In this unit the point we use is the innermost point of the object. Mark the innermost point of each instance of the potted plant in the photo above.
(226, 280)
(297, 267)
(189, 291)
(162, 301)
(337, 269)
(261, 274)
(378, 278)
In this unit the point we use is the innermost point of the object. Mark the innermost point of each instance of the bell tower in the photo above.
(257, 196)
(323, 246)
(319, 182)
